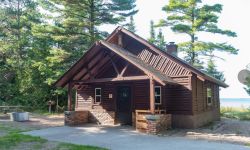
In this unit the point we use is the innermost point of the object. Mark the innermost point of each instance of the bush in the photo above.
(236, 113)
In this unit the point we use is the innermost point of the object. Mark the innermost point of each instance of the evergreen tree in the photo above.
(191, 17)
(20, 82)
(247, 88)
(160, 41)
(212, 70)
(131, 25)
(152, 38)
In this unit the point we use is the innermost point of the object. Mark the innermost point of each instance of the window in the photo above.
(209, 96)
(157, 95)
(98, 95)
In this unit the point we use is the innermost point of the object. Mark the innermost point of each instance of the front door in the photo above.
(124, 115)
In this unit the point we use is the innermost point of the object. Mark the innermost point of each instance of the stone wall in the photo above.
(74, 118)
(158, 123)
(195, 121)
(102, 117)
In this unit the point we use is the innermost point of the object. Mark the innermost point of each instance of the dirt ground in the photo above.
(36, 122)
(226, 130)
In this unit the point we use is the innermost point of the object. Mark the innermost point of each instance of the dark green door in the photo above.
(124, 105)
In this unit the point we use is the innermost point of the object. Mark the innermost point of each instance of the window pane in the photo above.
(209, 92)
(157, 99)
(97, 91)
(209, 100)
(98, 99)
(157, 91)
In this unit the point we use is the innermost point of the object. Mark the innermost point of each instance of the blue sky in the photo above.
(235, 16)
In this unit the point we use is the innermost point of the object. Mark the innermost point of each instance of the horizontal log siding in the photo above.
(141, 95)
(199, 94)
(179, 97)
(85, 98)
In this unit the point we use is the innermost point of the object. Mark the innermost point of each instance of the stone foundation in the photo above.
(74, 118)
(102, 117)
(195, 121)
(158, 123)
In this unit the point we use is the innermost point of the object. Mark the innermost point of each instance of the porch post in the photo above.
(69, 96)
(152, 95)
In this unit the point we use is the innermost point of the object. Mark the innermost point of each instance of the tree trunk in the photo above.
(92, 21)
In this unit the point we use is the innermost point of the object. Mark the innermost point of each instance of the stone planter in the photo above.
(19, 116)
(158, 123)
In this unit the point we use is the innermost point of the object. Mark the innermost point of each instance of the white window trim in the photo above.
(98, 95)
(157, 95)
(209, 104)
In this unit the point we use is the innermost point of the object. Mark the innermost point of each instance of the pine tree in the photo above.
(247, 88)
(212, 70)
(20, 81)
(131, 25)
(152, 38)
(160, 41)
(191, 17)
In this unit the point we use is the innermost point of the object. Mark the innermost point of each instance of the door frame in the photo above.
(130, 85)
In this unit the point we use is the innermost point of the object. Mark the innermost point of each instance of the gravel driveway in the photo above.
(126, 138)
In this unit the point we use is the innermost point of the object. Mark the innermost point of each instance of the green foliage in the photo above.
(37, 47)
(235, 113)
(131, 26)
(191, 17)
(152, 38)
(247, 88)
(158, 39)
(211, 70)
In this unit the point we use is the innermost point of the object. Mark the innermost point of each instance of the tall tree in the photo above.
(212, 70)
(160, 40)
(75, 24)
(152, 37)
(191, 17)
(20, 81)
(247, 88)
(131, 25)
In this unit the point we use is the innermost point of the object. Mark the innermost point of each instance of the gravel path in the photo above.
(125, 138)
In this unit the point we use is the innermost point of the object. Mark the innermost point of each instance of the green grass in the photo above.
(68, 146)
(15, 138)
(11, 140)
(240, 113)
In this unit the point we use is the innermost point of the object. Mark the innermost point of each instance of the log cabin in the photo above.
(126, 80)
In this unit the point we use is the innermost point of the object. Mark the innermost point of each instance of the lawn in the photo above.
(240, 113)
(11, 138)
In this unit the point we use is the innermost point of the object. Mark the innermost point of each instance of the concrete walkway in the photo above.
(126, 138)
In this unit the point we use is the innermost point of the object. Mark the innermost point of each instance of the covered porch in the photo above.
(129, 100)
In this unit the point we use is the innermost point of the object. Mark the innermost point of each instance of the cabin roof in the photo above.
(146, 68)
(165, 53)
(149, 70)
